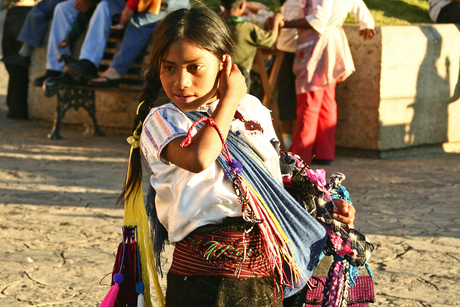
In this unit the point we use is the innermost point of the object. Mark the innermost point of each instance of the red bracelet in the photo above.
(210, 122)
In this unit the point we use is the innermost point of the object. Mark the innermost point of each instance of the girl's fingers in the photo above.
(344, 212)
(227, 67)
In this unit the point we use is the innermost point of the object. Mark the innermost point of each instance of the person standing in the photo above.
(444, 11)
(322, 59)
(287, 42)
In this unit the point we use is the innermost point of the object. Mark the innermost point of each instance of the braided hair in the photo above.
(199, 24)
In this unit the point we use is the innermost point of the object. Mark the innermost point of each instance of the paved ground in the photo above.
(59, 226)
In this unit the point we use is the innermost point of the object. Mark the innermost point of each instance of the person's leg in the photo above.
(449, 14)
(97, 35)
(136, 36)
(65, 15)
(18, 76)
(36, 24)
(308, 108)
(287, 98)
(324, 147)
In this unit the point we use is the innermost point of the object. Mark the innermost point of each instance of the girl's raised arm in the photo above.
(206, 144)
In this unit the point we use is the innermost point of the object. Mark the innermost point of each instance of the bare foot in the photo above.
(110, 73)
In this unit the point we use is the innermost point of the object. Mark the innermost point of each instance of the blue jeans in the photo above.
(138, 33)
(136, 36)
(96, 37)
(36, 24)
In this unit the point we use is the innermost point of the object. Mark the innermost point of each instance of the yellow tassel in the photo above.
(135, 215)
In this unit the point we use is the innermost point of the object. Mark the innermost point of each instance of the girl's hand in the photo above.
(232, 84)
(344, 212)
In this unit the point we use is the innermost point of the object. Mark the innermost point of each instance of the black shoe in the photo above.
(49, 73)
(17, 60)
(51, 85)
(84, 68)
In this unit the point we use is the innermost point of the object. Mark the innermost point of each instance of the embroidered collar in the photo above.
(208, 108)
(235, 19)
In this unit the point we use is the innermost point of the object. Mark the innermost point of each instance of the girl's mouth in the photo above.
(184, 98)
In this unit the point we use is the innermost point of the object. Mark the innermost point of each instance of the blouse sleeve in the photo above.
(321, 15)
(362, 14)
(160, 127)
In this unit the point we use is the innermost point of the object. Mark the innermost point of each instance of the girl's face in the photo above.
(188, 75)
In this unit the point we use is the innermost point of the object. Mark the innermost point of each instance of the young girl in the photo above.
(219, 258)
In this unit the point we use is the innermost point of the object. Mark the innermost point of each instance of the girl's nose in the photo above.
(183, 80)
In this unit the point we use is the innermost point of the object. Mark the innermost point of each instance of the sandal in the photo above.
(107, 82)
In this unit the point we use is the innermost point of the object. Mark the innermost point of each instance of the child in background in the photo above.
(247, 36)
(195, 201)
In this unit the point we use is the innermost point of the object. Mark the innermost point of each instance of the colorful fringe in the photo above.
(255, 210)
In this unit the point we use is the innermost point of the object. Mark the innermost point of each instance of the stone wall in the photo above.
(403, 94)
(399, 98)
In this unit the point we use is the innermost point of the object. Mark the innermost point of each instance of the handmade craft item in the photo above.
(135, 254)
(349, 247)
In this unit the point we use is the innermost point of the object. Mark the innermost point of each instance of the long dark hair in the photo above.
(199, 24)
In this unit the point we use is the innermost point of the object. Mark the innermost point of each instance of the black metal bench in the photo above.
(74, 92)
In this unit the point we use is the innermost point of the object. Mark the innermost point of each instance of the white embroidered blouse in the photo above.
(187, 200)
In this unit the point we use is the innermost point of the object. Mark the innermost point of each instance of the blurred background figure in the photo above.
(247, 35)
(444, 11)
(322, 59)
(287, 42)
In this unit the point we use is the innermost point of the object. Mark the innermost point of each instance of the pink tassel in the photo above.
(111, 297)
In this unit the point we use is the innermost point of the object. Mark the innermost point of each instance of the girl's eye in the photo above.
(194, 67)
(168, 68)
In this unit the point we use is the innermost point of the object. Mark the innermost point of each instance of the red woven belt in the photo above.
(221, 254)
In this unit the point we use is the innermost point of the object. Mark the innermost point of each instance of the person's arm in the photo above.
(301, 23)
(364, 17)
(277, 20)
(206, 144)
(82, 6)
(126, 15)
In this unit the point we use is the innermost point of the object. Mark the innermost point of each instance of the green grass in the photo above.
(397, 12)
(384, 12)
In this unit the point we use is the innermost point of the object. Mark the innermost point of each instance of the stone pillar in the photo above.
(402, 96)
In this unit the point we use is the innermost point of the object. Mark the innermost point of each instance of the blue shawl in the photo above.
(306, 236)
